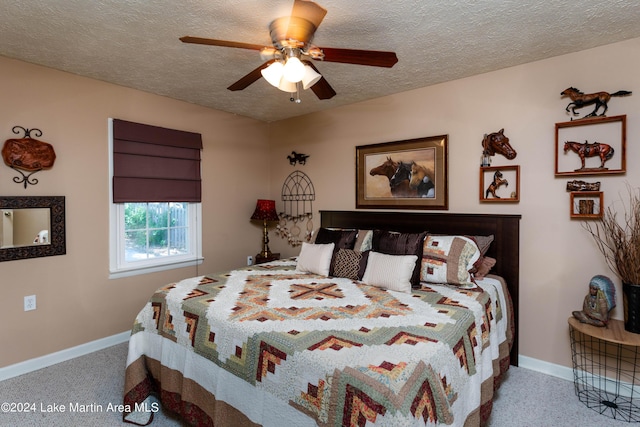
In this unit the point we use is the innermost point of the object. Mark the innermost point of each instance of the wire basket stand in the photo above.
(605, 372)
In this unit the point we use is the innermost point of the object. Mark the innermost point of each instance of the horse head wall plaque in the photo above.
(496, 143)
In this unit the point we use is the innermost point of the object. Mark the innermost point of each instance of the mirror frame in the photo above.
(57, 245)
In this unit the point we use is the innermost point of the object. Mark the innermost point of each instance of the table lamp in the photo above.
(265, 211)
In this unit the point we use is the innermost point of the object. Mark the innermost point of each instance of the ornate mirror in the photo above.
(32, 227)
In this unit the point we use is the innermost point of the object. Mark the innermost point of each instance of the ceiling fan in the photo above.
(288, 66)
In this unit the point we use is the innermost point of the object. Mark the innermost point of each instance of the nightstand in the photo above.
(261, 259)
(606, 375)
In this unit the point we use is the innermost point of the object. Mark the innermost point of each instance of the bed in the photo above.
(280, 344)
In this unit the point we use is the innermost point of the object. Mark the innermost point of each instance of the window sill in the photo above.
(118, 274)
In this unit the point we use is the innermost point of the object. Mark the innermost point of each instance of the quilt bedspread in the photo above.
(268, 345)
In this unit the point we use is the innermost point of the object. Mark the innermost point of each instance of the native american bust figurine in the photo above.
(600, 300)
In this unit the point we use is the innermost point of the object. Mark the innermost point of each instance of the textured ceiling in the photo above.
(134, 43)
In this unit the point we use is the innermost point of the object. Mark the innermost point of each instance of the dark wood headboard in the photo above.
(505, 248)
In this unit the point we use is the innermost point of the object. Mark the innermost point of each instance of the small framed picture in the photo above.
(586, 204)
(500, 184)
(593, 146)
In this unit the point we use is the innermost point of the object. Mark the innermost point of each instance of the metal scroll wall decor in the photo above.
(298, 195)
(27, 154)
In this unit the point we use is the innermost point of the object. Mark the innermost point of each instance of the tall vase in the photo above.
(631, 299)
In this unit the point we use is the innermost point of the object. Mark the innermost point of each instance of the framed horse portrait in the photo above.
(592, 146)
(410, 174)
(500, 184)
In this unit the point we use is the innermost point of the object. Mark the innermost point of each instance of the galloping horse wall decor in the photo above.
(579, 99)
(297, 158)
(497, 142)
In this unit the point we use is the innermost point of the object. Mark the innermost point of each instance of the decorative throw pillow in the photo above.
(315, 258)
(343, 239)
(482, 267)
(483, 242)
(448, 259)
(391, 243)
(391, 272)
(364, 240)
(349, 263)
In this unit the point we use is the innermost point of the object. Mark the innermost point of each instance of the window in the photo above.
(154, 236)
(155, 194)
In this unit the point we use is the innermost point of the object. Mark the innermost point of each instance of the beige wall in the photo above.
(76, 302)
(557, 256)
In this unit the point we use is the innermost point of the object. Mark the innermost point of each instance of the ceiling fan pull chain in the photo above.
(296, 98)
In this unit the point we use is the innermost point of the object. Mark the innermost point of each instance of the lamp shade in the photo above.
(293, 70)
(310, 77)
(265, 210)
(287, 86)
(273, 73)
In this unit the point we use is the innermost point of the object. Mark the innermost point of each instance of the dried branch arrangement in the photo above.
(619, 241)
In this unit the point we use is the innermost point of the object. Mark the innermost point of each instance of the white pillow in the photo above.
(315, 258)
(391, 272)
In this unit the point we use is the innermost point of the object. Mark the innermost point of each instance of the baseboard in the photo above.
(62, 355)
(31, 365)
(543, 367)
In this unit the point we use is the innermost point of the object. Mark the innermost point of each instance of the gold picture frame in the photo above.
(608, 132)
(384, 179)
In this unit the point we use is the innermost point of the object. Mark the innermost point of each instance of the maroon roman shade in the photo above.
(155, 164)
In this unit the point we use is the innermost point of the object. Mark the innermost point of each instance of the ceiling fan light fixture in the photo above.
(293, 70)
(273, 73)
(310, 77)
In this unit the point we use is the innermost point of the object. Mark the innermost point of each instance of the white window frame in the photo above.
(118, 267)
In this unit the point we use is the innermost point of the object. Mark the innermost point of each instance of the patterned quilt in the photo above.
(270, 346)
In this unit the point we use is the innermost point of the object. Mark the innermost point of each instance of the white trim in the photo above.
(21, 368)
(153, 269)
(62, 356)
(559, 371)
(610, 385)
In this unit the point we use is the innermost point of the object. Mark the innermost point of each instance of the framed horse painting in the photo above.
(410, 174)
(500, 183)
(593, 146)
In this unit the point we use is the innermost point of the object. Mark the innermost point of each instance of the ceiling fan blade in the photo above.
(250, 78)
(374, 58)
(322, 88)
(224, 43)
(308, 10)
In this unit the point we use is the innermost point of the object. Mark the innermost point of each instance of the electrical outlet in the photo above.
(29, 303)
(249, 260)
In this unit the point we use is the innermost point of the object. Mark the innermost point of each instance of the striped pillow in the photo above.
(315, 258)
(391, 272)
